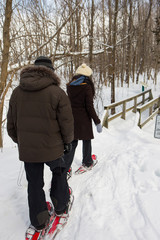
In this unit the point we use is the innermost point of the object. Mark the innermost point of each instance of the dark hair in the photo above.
(87, 80)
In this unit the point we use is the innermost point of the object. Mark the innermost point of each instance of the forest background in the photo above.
(119, 39)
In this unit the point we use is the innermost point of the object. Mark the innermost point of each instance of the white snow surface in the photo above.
(119, 199)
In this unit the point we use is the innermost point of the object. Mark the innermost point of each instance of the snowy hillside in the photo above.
(118, 200)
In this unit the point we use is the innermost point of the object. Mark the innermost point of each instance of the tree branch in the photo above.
(60, 28)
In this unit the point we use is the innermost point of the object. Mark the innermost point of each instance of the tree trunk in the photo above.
(123, 46)
(114, 55)
(91, 36)
(103, 62)
(110, 43)
(5, 58)
(78, 34)
(140, 69)
(128, 54)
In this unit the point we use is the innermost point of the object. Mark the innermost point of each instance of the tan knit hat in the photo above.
(84, 70)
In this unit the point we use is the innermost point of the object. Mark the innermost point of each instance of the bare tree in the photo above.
(110, 42)
(5, 60)
(114, 37)
(91, 32)
(129, 38)
(143, 46)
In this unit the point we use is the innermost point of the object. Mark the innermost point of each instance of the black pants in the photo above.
(59, 193)
(86, 152)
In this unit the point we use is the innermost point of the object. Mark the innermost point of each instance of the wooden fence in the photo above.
(152, 110)
(144, 96)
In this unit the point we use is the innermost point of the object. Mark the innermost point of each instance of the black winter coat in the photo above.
(81, 97)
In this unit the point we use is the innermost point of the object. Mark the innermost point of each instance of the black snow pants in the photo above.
(59, 192)
(86, 153)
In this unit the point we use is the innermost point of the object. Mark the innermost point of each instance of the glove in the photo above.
(67, 147)
(99, 128)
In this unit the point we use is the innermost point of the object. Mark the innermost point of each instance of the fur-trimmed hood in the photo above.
(34, 78)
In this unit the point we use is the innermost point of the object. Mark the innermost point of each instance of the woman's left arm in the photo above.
(89, 105)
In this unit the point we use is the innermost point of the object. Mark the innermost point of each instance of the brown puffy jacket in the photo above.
(39, 118)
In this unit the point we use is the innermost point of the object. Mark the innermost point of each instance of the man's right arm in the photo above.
(11, 121)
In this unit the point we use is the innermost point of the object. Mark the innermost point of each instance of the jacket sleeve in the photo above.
(89, 105)
(11, 120)
(65, 118)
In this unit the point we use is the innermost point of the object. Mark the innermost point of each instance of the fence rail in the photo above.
(149, 106)
(146, 95)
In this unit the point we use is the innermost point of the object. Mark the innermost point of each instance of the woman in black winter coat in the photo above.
(81, 93)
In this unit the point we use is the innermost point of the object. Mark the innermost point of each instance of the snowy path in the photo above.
(118, 200)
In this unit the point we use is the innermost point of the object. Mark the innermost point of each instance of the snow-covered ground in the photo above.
(118, 200)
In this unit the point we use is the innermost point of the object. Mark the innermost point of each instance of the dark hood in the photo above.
(34, 78)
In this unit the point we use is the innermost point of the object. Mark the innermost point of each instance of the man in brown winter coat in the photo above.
(40, 121)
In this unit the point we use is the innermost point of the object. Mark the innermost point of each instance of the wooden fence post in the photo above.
(135, 105)
(124, 111)
(139, 122)
(143, 98)
(150, 95)
(105, 120)
(150, 110)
